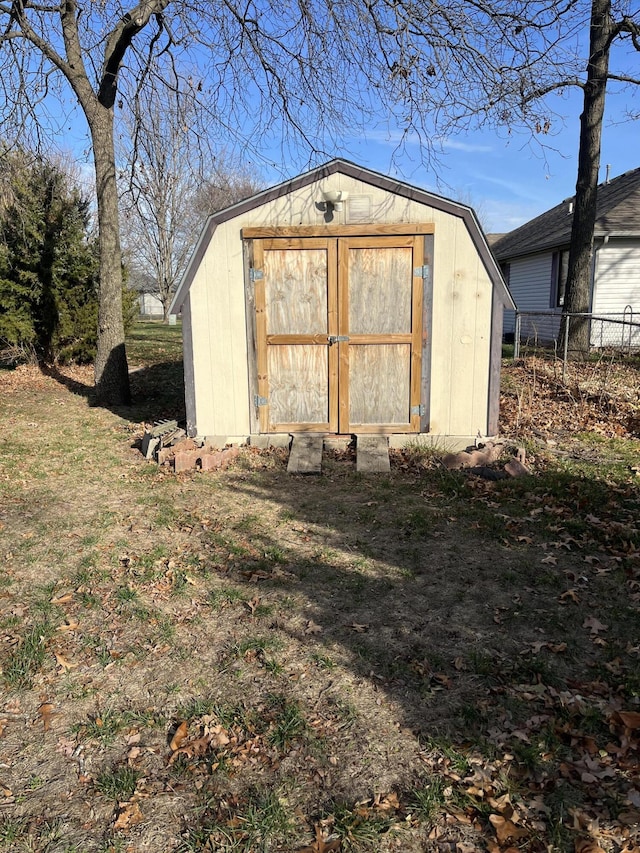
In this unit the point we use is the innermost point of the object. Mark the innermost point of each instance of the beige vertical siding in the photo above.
(461, 311)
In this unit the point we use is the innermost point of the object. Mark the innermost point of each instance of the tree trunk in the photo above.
(578, 287)
(111, 369)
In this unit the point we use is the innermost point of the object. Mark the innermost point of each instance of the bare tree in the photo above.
(165, 197)
(605, 28)
(547, 48)
(229, 180)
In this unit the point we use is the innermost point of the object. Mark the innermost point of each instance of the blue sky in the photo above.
(509, 179)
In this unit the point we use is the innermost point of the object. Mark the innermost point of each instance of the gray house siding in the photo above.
(531, 285)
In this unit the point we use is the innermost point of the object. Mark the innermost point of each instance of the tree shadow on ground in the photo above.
(494, 619)
(157, 391)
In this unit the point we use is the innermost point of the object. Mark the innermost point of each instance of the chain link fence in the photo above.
(550, 330)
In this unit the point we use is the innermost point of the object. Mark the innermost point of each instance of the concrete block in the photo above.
(337, 442)
(306, 454)
(259, 441)
(372, 453)
(149, 445)
(280, 439)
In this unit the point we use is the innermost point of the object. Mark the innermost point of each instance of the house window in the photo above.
(559, 270)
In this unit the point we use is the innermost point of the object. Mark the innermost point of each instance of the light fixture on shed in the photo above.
(333, 199)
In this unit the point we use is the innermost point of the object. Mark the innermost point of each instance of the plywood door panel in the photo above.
(387, 399)
(380, 285)
(298, 384)
(296, 291)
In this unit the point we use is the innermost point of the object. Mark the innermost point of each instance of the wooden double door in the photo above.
(339, 326)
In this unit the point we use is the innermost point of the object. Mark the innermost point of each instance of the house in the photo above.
(150, 305)
(343, 301)
(534, 258)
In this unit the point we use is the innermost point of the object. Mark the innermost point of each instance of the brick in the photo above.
(211, 461)
(186, 460)
(229, 454)
(184, 445)
(165, 455)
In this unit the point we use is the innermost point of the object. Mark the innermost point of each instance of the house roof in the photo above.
(618, 215)
(359, 173)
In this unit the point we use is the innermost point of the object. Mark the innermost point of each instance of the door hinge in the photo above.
(255, 274)
(419, 410)
(260, 401)
(421, 272)
(336, 339)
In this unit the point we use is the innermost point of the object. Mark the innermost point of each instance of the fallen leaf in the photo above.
(66, 746)
(588, 845)
(550, 560)
(629, 719)
(633, 797)
(594, 625)
(321, 845)
(192, 749)
(387, 802)
(64, 599)
(179, 736)
(312, 628)
(570, 594)
(45, 712)
(69, 625)
(129, 815)
(506, 829)
(64, 663)
(360, 629)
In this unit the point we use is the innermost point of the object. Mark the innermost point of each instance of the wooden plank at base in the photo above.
(372, 453)
(306, 454)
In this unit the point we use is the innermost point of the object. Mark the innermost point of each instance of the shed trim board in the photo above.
(338, 230)
(301, 318)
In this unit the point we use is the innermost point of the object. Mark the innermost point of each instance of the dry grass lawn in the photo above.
(251, 661)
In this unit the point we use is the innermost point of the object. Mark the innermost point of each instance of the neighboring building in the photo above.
(150, 305)
(343, 301)
(534, 259)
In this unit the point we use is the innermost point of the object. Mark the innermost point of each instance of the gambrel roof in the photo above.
(360, 173)
(618, 215)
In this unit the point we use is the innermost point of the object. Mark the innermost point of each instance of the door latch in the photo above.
(336, 339)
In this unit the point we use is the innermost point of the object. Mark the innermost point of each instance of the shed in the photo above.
(343, 301)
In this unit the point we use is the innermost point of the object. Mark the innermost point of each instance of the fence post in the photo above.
(565, 354)
(516, 338)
